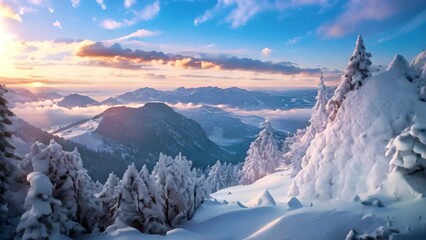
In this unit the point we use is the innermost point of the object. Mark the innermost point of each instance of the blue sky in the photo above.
(306, 34)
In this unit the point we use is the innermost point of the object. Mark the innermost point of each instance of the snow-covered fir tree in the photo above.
(72, 185)
(201, 188)
(408, 149)
(263, 156)
(106, 196)
(151, 204)
(178, 188)
(37, 222)
(297, 145)
(356, 72)
(231, 174)
(11, 177)
(138, 204)
(215, 177)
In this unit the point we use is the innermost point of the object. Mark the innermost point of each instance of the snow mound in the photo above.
(294, 203)
(265, 199)
(419, 64)
(399, 63)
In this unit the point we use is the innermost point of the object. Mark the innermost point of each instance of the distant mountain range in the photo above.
(234, 97)
(140, 134)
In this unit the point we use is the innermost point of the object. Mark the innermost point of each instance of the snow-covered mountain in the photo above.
(235, 97)
(77, 100)
(141, 134)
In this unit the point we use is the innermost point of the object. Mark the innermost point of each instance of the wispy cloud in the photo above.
(413, 24)
(297, 39)
(7, 12)
(360, 11)
(141, 33)
(129, 3)
(102, 4)
(239, 12)
(147, 13)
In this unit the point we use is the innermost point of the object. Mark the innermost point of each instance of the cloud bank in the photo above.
(101, 52)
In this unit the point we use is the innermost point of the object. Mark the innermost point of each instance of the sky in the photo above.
(122, 45)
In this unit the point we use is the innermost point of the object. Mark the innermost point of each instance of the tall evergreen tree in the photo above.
(298, 144)
(7, 161)
(106, 196)
(37, 222)
(356, 73)
(138, 203)
(72, 185)
(215, 177)
(263, 156)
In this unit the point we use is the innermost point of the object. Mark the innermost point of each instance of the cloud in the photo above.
(129, 3)
(112, 24)
(102, 4)
(57, 24)
(359, 11)
(115, 52)
(297, 39)
(266, 52)
(413, 24)
(7, 12)
(75, 3)
(147, 13)
(141, 33)
(239, 12)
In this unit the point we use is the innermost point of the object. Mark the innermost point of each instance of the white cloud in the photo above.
(112, 24)
(149, 12)
(75, 3)
(51, 9)
(141, 33)
(129, 3)
(102, 4)
(57, 24)
(359, 11)
(297, 39)
(266, 52)
(243, 10)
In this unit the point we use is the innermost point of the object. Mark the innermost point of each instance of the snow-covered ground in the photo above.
(228, 215)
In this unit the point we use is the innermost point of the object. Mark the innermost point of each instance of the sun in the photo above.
(37, 84)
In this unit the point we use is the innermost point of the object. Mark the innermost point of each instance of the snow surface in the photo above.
(223, 218)
(84, 134)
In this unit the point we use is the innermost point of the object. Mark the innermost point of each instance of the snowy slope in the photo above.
(348, 157)
(225, 217)
(84, 134)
